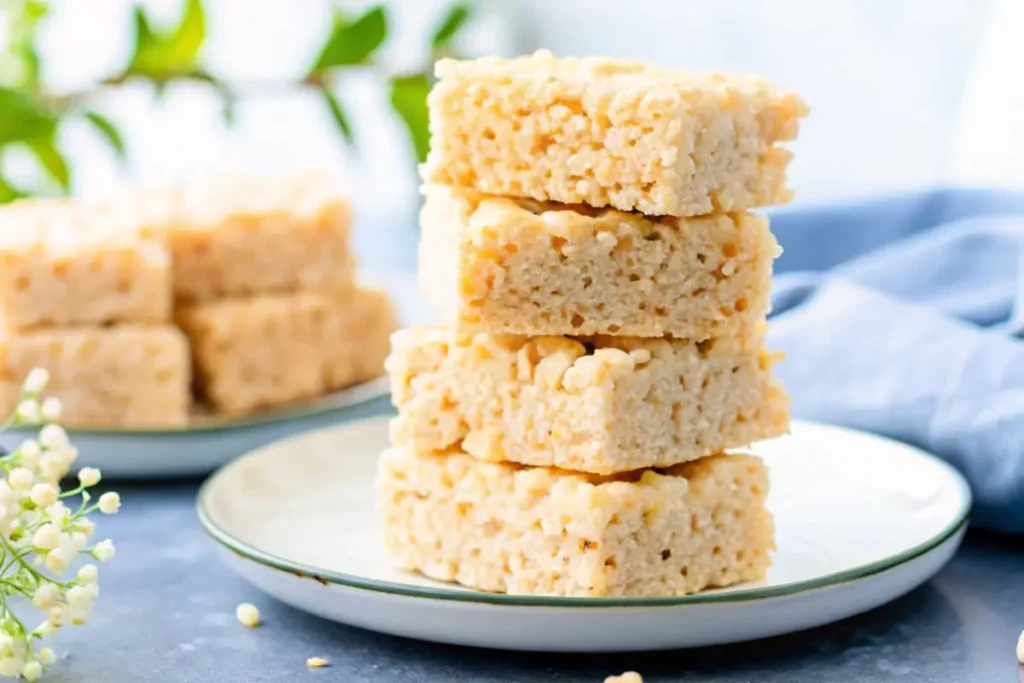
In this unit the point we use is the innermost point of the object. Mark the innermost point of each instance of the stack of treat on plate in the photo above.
(265, 290)
(604, 292)
(251, 280)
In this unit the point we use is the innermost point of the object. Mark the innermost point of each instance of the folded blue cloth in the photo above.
(903, 316)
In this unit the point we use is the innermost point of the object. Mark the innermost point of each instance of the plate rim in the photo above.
(443, 592)
(351, 396)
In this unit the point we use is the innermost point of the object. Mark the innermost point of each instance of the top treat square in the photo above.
(610, 133)
(63, 263)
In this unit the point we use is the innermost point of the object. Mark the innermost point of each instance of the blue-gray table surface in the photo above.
(166, 614)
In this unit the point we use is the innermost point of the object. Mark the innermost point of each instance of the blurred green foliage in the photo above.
(31, 116)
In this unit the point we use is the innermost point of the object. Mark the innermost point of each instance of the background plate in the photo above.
(211, 441)
(861, 520)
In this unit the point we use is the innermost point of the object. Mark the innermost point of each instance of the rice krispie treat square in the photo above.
(610, 133)
(540, 531)
(64, 263)
(272, 349)
(501, 265)
(600, 404)
(123, 376)
(241, 235)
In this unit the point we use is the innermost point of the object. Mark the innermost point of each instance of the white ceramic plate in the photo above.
(861, 520)
(209, 441)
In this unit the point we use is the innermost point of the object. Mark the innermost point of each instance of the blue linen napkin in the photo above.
(903, 316)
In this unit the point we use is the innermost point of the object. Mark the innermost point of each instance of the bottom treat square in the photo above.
(257, 352)
(506, 528)
(126, 376)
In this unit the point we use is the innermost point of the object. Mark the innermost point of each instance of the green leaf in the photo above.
(456, 17)
(19, 55)
(409, 100)
(353, 43)
(52, 161)
(340, 117)
(160, 55)
(108, 131)
(23, 119)
(8, 192)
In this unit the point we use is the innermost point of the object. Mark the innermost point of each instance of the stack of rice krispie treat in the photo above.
(265, 290)
(85, 292)
(587, 240)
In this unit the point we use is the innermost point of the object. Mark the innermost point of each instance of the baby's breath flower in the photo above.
(20, 478)
(44, 494)
(88, 573)
(47, 537)
(43, 536)
(109, 503)
(104, 551)
(32, 671)
(28, 411)
(53, 437)
(88, 476)
(248, 614)
(51, 409)
(36, 382)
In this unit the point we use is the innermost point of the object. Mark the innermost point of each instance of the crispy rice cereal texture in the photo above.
(125, 376)
(267, 350)
(539, 531)
(602, 405)
(518, 266)
(610, 133)
(243, 235)
(63, 263)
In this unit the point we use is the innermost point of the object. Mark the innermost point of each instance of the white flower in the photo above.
(5, 490)
(88, 476)
(33, 670)
(51, 409)
(104, 551)
(36, 381)
(46, 656)
(58, 513)
(89, 573)
(57, 561)
(20, 478)
(1020, 648)
(53, 437)
(109, 503)
(10, 666)
(44, 629)
(248, 614)
(29, 450)
(85, 526)
(56, 616)
(46, 595)
(28, 410)
(78, 541)
(44, 494)
(47, 537)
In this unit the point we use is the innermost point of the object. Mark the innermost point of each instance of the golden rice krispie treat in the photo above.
(610, 133)
(601, 404)
(523, 267)
(122, 376)
(63, 263)
(267, 350)
(540, 531)
(240, 236)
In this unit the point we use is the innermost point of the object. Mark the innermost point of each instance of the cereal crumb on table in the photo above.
(248, 614)
(628, 677)
(317, 662)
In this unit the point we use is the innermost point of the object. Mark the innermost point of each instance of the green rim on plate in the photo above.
(348, 397)
(442, 592)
